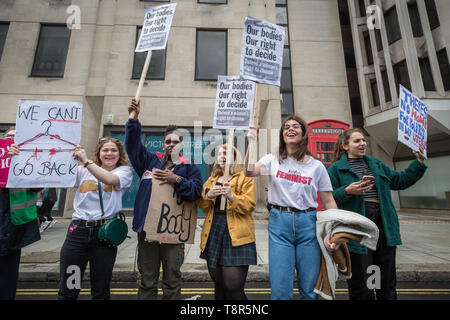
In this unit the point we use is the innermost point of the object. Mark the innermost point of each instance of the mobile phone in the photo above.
(368, 179)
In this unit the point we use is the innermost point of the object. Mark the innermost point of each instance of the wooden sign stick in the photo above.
(226, 174)
(253, 144)
(137, 97)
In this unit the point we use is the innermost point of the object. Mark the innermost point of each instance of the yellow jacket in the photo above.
(239, 212)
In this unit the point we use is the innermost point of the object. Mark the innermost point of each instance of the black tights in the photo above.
(229, 282)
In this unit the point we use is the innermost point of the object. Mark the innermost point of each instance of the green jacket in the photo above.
(342, 175)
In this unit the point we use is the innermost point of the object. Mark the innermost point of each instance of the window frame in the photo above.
(134, 61)
(32, 73)
(213, 3)
(289, 91)
(197, 31)
(2, 44)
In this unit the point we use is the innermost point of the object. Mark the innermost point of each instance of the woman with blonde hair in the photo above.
(228, 236)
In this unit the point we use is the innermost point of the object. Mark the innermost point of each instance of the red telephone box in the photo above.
(322, 137)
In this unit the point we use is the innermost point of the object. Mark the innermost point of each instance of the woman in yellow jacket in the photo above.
(228, 236)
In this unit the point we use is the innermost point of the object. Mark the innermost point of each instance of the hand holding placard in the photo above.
(261, 61)
(154, 35)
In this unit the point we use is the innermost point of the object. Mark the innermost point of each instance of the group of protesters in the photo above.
(228, 234)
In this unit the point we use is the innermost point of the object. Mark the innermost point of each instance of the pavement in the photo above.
(423, 257)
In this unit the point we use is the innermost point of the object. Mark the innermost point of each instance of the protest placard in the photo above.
(234, 103)
(412, 121)
(47, 133)
(154, 35)
(5, 161)
(169, 218)
(156, 27)
(262, 51)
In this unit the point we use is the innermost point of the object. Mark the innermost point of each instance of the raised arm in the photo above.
(101, 174)
(258, 167)
(137, 153)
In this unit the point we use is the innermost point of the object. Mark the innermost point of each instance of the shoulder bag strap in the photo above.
(101, 197)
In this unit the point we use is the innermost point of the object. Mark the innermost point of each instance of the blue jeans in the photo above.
(293, 244)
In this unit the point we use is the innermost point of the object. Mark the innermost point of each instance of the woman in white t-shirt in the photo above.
(295, 178)
(109, 167)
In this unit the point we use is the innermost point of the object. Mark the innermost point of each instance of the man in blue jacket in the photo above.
(187, 181)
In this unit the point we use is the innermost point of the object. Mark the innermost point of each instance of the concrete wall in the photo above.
(318, 68)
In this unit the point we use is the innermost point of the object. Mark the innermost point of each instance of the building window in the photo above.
(211, 54)
(362, 8)
(3, 32)
(392, 25)
(287, 98)
(375, 96)
(155, 0)
(427, 75)
(401, 75)
(213, 1)
(432, 192)
(368, 47)
(432, 14)
(287, 104)
(51, 52)
(156, 69)
(445, 68)
(378, 40)
(414, 17)
(387, 92)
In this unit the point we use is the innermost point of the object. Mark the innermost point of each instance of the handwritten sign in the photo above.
(412, 121)
(169, 219)
(156, 27)
(262, 51)
(234, 103)
(5, 161)
(46, 134)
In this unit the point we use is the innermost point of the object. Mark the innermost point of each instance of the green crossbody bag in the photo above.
(114, 231)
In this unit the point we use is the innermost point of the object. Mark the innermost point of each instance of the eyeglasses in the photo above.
(169, 141)
(294, 126)
(8, 136)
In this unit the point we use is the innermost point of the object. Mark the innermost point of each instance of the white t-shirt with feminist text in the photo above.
(295, 184)
(87, 201)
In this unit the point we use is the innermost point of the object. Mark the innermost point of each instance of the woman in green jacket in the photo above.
(363, 184)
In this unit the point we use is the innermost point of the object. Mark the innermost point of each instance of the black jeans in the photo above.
(80, 247)
(9, 273)
(44, 212)
(383, 257)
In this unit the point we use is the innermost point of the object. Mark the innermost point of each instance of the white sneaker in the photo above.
(44, 226)
(51, 224)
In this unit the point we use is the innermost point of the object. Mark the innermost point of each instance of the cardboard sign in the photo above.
(169, 219)
(262, 51)
(412, 121)
(156, 28)
(47, 133)
(234, 103)
(5, 161)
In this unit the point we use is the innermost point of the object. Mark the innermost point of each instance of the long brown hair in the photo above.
(343, 138)
(302, 147)
(123, 160)
(235, 167)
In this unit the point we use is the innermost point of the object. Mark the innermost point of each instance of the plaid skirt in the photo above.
(219, 249)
